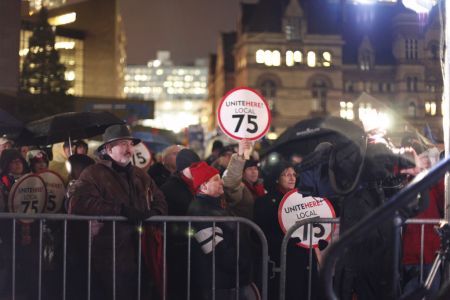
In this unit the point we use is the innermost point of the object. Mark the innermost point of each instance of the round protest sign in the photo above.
(295, 207)
(55, 191)
(142, 156)
(28, 195)
(244, 114)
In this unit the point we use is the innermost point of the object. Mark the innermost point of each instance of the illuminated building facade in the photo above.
(91, 43)
(179, 91)
(317, 57)
(36, 5)
(9, 46)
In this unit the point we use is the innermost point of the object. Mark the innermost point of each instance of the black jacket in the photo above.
(266, 217)
(225, 250)
(178, 195)
(158, 173)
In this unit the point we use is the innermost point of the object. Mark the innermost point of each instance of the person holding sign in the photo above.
(111, 187)
(241, 181)
(280, 178)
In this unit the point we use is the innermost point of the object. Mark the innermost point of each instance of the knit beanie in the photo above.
(250, 163)
(201, 173)
(185, 158)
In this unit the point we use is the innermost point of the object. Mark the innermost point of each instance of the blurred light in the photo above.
(23, 52)
(63, 19)
(69, 75)
(419, 6)
(272, 135)
(64, 45)
(156, 63)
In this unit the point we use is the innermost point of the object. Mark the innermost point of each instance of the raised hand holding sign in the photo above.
(244, 114)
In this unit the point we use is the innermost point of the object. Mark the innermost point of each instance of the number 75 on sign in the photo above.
(244, 113)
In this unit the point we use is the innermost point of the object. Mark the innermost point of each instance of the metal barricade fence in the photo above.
(309, 222)
(42, 219)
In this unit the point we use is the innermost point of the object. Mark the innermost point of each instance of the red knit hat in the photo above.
(201, 173)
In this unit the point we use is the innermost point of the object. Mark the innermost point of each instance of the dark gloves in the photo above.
(135, 215)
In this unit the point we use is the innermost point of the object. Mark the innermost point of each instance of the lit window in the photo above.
(430, 108)
(65, 45)
(311, 59)
(276, 58)
(411, 49)
(298, 56)
(268, 57)
(289, 58)
(347, 110)
(63, 19)
(69, 75)
(326, 56)
(260, 56)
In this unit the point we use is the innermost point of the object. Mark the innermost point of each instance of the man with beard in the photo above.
(112, 187)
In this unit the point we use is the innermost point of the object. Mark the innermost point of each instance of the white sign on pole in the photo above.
(294, 207)
(28, 195)
(55, 191)
(244, 113)
(142, 156)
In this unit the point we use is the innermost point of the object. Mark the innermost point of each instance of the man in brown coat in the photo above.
(113, 187)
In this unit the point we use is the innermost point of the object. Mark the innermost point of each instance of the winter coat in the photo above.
(158, 173)
(412, 232)
(266, 216)
(178, 195)
(239, 197)
(102, 191)
(225, 249)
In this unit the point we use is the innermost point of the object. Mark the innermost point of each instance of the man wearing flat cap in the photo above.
(113, 187)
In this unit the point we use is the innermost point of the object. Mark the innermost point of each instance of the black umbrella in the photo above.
(8, 124)
(70, 126)
(304, 136)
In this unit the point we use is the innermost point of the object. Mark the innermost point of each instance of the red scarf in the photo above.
(257, 189)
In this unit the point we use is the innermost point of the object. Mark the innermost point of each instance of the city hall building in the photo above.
(328, 57)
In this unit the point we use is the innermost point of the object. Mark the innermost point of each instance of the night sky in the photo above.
(187, 28)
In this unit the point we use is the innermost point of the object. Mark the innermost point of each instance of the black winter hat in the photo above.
(271, 168)
(250, 163)
(185, 158)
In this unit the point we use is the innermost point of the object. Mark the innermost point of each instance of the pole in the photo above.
(446, 107)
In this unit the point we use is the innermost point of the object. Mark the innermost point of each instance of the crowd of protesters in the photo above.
(229, 182)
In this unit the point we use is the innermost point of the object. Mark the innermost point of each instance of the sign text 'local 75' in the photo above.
(295, 207)
(244, 113)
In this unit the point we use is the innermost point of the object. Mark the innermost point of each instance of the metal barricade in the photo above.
(161, 221)
(309, 222)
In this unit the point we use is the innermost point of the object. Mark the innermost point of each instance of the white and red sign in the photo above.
(244, 114)
(56, 191)
(295, 207)
(142, 156)
(28, 195)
